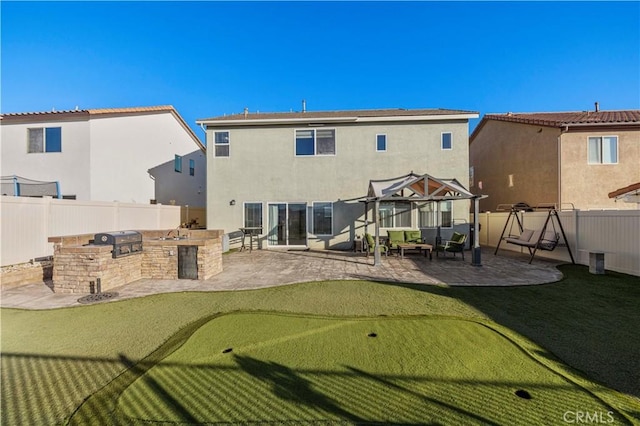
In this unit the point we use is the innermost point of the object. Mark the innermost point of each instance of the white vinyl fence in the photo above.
(27, 223)
(614, 232)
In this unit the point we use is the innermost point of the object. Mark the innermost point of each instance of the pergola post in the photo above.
(475, 254)
(376, 255)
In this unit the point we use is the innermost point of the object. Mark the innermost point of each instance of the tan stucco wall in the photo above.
(587, 185)
(262, 167)
(515, 163)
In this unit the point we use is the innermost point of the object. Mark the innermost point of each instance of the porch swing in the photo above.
(542, 239)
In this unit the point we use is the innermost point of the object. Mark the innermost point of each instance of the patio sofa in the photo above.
(405, 236)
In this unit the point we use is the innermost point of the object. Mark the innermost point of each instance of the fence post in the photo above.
(116, 218)
(47, 220)
(577, 233)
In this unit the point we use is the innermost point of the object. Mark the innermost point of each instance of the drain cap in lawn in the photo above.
(523, 394)
(98, 297)
(372, 335)
(226, 351)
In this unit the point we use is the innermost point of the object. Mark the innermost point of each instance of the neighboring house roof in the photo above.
(398, 114)
(633, 189)
(89, 113)
(566, 119)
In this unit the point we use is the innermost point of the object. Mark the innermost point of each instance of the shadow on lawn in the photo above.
(590, 322)
(313, 393)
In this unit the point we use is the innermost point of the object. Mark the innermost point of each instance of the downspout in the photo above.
(58, 190)
(16, 188)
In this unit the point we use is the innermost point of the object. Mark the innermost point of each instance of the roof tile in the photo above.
(560, 119)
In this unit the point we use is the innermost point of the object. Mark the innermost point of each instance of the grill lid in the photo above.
(118, 237)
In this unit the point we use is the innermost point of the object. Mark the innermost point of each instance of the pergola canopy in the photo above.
(419, 188)
(413, 187)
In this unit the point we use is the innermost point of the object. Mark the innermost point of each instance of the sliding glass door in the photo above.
(287, 224)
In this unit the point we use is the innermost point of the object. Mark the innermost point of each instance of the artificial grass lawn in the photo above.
(53, 360)
(305, 369)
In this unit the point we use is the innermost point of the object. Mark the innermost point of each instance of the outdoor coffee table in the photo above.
(416, 246)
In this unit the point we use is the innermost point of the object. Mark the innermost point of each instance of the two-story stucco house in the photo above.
(96, 154)
(182, 180)
(298, 175)
(570, 159)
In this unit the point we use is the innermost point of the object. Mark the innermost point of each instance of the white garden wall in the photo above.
(27, 223)
(615, 232)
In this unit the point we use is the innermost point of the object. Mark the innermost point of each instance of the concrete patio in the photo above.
(269, 268)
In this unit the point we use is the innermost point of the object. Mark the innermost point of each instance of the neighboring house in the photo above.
(299, 175)
(182, 180)
(95, 154)
(570, 159)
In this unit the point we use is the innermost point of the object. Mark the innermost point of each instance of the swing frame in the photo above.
(552, 213)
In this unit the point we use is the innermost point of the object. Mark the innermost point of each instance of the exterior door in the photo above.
(287, 224)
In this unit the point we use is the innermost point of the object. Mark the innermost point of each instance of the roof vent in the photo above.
(304, 106)
(246, 112)
(597, 106)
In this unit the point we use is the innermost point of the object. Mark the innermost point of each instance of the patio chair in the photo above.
(371, 245)
(454, 245)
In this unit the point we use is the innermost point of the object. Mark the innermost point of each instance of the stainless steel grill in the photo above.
(124, 243)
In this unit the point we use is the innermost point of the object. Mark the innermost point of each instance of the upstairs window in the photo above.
(221, 142)
(381, 143)
(603, 150)
(192, 167)
(44, 139)
(447, 140)
(315, 142)
(177, 163)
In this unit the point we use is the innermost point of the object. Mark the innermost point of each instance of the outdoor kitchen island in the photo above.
(83, 265)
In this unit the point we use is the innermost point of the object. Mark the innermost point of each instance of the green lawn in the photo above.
(447, 355)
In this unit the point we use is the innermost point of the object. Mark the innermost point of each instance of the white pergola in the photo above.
(418, 188)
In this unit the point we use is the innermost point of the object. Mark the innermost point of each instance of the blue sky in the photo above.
(212, 58)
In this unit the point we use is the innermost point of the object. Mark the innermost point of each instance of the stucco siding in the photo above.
(587, 186)
(70, 167)
(515, 163)
(182, 188)
(263, 167)
(124, 148)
